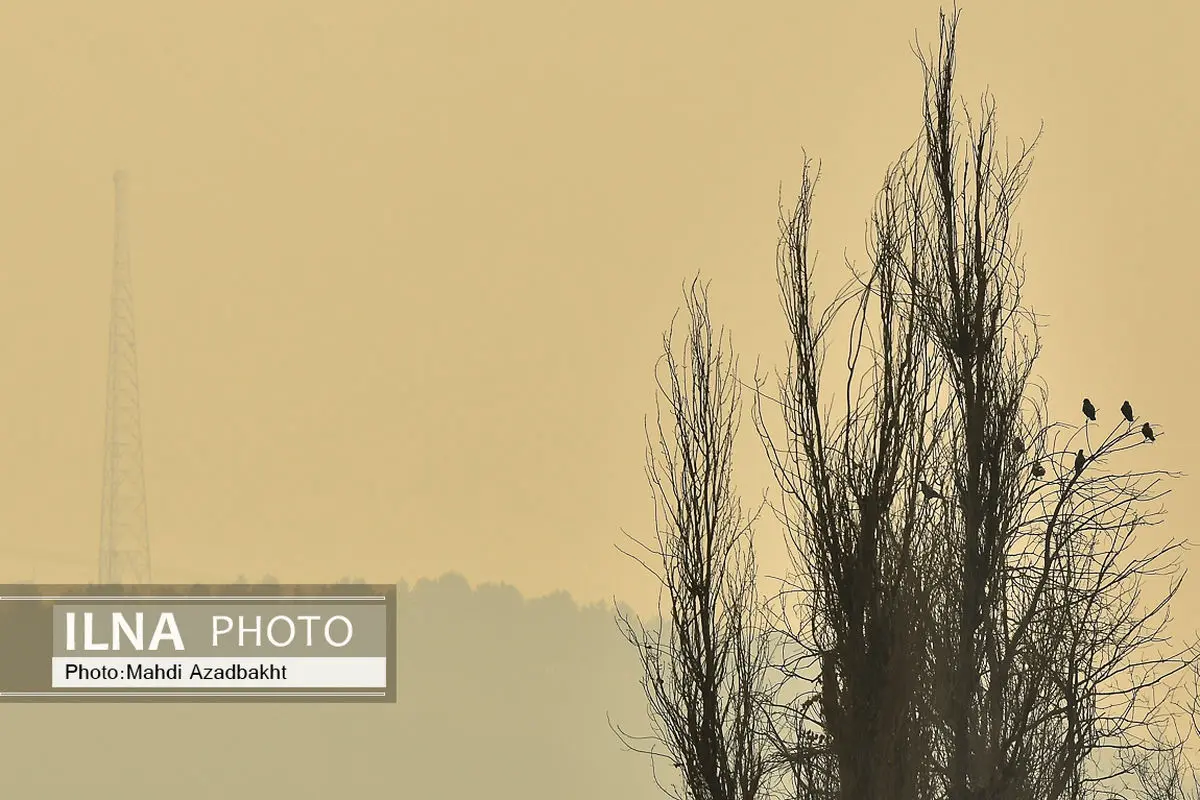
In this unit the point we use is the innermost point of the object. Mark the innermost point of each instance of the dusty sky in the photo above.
(401, 269)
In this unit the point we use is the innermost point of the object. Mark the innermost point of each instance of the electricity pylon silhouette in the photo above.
(124, 533)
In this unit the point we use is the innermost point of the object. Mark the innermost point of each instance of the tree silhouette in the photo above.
(997, 638)
(704, 660)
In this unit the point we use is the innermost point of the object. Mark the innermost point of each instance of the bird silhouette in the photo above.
(1127, 410)
(1018, 445)
(1148, 432)
(929, 492)
(1038, 470)
(1080, 462)
(1089, 410)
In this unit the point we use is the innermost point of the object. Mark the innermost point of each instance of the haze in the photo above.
(401, 269)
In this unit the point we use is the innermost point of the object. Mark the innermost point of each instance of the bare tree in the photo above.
(968, 601)
(974, 608)
(858, 500)
(1048, 643)
(704, 660)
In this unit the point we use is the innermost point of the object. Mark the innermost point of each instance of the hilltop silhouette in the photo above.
(498, 695)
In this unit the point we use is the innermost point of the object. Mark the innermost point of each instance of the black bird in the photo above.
(1018, 445)
(1148, 432)
(1089, 410)
(929, 492)
(1127, 410)
(1038, 470)
(1080, 462)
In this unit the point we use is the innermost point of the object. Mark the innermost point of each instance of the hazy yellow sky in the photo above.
(401, 268)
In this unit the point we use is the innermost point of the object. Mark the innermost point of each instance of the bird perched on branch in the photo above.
(1038, 470)
(1148, 432)
(1018, 445)
(1127, 410)
(929, 492)
(1080, 462)
(1089, 410)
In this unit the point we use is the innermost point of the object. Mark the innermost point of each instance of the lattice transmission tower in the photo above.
(124, 533)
